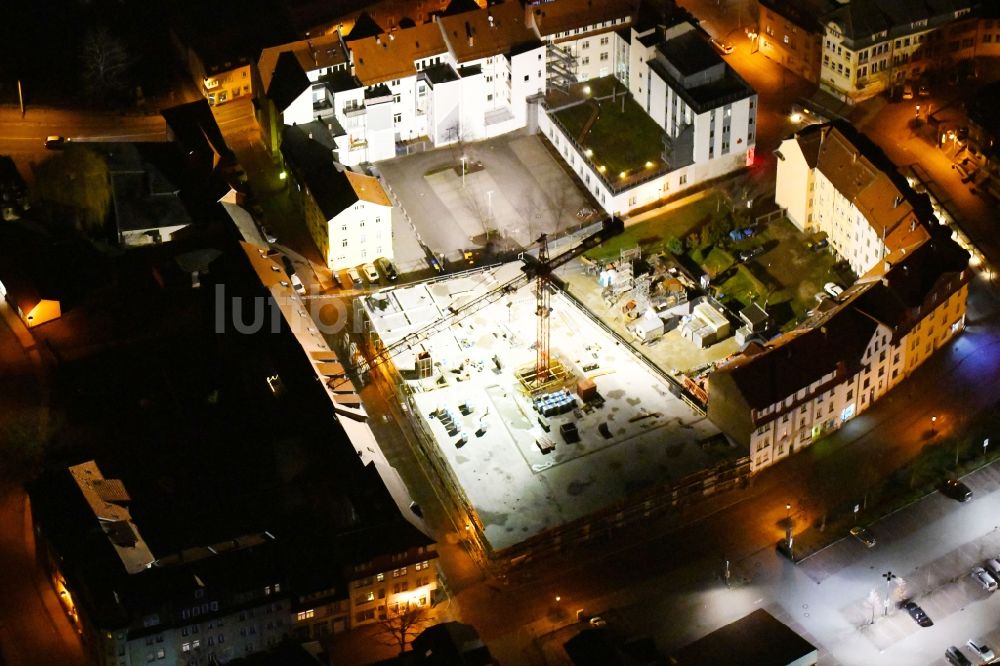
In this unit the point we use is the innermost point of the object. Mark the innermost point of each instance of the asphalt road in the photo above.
(24, 138)
(33, 628)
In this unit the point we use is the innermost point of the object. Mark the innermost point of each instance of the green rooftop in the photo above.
(621, 137)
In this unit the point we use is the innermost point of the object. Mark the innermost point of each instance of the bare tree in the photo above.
(105, 63)
(401, 625)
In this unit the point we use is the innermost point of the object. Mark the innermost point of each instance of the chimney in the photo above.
(897, 201)
(854, 158)
(489, 17)
(468, 33)
(392, 37)
(378, 40)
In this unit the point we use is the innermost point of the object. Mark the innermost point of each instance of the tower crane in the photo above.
(541, 270)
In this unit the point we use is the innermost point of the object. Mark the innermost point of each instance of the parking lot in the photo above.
(512, 191)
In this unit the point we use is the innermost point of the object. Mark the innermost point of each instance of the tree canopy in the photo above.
(73, 185)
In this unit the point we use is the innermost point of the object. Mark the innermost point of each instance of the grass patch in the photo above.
(651, 234)
(743, 287)
(621, 141)
(717, 261)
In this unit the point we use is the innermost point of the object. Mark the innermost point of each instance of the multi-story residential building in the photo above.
(290, 80)
(501, 56)
(348, 214)
(860, 48)
(708, 112)
(779, 397)
(219, 41)
(594, 34)
(789, 33)
(827, 183)
(466, 75)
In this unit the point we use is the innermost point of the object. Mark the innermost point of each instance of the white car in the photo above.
(371, 273)
(723, 48)
(833, 289)
(984, 579)
(297, 284)
(981, 649)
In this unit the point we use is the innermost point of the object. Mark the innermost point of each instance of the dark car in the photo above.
(54, 141)
(918, 614)
(435, 265)
(747, 255)
(955, 656)
(956, 490)
(863, 535)
(387, 268)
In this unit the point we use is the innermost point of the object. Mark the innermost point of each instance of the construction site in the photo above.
(548, 424)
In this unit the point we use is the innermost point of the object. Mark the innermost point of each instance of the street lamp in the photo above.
(463, 171)
(788, 530)
(986, 442)
(889, 577)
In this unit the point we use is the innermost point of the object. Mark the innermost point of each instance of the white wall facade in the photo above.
(794, 184)
(360, 234)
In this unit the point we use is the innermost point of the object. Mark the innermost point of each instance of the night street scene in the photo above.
(500, 332)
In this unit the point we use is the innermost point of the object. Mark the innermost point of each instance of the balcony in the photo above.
(353, 111)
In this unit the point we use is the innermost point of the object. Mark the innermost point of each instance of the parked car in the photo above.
(955, 656)
(54, 141)
(993, 566)
(747, 255)
(981, 649)
(268, 235)
(816, 246)
(722, 47)
(962, 133)
(956, 490)
(907, 91)
(370, 273)
(918, 614)
(980, 576)
(863, 535)
(286, 261)
(354, 277)
(388, 270)
(833, 289)
(924, 90)
(417, 511)
(297, 284)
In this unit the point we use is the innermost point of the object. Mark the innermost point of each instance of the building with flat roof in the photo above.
(757, 639)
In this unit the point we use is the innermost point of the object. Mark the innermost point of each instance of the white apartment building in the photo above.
(780, 397)
(463, 77)
(826, 183)
(590, 32)
(707, 111)
(348, 214)
(869, 46)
